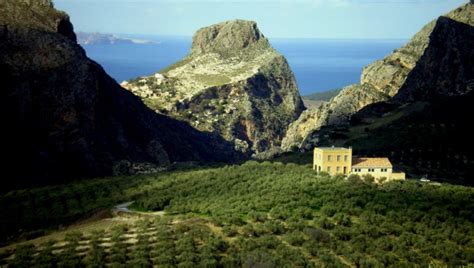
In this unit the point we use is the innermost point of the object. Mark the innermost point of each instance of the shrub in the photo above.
(343, 219)
(324, 174)
(325, 223)
(46, 258)
(368, 178)
(23, 256)
(280, 213)
(312, 247)
(304, 212)
(295, 238)
(353, 178)
(318, 235)
(274, 227)
(230, 231)
(328, 210)
(258, 216)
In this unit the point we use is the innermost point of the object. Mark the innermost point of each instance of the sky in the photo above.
(333, 19)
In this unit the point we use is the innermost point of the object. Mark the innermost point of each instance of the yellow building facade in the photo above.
(339, 160)
(333, 160)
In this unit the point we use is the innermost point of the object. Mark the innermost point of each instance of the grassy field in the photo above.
(269, 214)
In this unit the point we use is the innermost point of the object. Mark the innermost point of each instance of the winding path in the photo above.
(123, 208)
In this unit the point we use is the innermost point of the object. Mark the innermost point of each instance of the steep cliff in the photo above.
(232, 83)
(380, 81)
(64, 117)
(425, 128)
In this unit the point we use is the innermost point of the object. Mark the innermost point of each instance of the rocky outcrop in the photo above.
(336, 112)
(380, 81)
(36, 14)
(445, 69)
(424, 128)
(64, 117)
(232, 83)
(389, 74)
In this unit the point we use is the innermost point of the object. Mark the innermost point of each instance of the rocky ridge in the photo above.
(66, 118)
(232, 83)
(424, 128)
(380, 81)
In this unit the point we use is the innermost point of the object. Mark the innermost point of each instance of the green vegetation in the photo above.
(322, 96)
(31, 212)
(263, 214)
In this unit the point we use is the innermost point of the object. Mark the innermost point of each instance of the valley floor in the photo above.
(268, 214)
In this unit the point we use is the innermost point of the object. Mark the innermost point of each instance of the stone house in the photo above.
(339, 160)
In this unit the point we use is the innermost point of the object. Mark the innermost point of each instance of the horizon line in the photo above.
(275, 37)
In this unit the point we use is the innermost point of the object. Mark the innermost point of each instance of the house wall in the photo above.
(333, 161)
(377, 173)
(400, 176)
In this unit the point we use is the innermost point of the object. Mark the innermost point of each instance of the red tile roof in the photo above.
(371, 162)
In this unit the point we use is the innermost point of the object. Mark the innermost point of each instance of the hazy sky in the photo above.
(276, 18)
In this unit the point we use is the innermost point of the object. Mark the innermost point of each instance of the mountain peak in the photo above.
(228, 37)
(233, 83)
(35, 15)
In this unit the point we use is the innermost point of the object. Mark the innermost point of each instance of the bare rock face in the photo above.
(44, 3)
(445, 69)
(381, 81)
(36, 14)
(230, 37)
(65, 118)
(232, 83)
(389, 74)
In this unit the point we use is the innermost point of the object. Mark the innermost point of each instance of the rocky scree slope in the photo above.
(380, 81)
(64, 117)
(232, 83)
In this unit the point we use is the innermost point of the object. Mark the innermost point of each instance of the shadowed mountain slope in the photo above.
(64, 117)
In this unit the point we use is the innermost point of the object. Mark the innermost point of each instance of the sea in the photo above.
(318, 64)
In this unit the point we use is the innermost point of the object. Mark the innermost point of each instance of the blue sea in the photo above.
(318, 64)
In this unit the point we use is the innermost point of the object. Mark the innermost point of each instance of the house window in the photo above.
(329, 157)
(345, 158)
(384, 170)
(357, 170)
(338, 158)
(338, 169)
(329, 169)
(371, 170)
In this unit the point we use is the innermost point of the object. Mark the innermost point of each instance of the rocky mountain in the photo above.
(424, 128)
(65, 118)
(381, 81)
(232, 83)
(84, 38)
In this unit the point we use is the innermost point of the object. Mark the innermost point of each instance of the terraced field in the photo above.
(278, 214)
